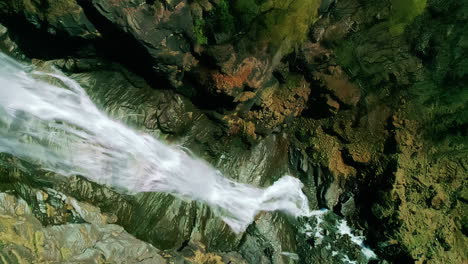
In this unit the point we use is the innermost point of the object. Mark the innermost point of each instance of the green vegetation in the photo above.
(286, 23)
(439, 97)
(441, 39)
(443, 110)
(403, 13)
(199, 28)
(246, 11)
(218, 21)
(282, 24)
(225, 21)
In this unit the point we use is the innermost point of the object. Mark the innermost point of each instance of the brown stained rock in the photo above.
(238, 126)
(236, 75)
(281, 102)
(424, 186)
(163, 35)
(423, 199)
(201, 257)
(245, 96)
(360, 153)
(338, 167)
(195, 252)
(334, 105)
(315, 54)
(275, 105)
(227, 83)
(337, 83)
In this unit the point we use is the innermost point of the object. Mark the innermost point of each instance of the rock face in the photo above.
(164, 37)
(63, 16)
(25, 240)
(163, 30)
(364, 101)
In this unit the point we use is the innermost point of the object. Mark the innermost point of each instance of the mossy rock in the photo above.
(279, 24)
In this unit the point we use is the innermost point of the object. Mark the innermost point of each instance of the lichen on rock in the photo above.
(363, 101)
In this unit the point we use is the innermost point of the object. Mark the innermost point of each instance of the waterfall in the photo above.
(59, 128)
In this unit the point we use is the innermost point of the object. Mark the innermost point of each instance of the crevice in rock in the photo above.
(390, 145)
(36, 42)
(333, 133)
(372, 188)
(121, 47)
(184, 245)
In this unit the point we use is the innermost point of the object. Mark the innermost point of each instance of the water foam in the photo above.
(62, 130)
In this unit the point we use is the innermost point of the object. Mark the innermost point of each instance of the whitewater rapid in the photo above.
(62, 130)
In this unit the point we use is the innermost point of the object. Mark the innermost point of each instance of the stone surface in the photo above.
(63, 16)
(7, 45)
(369, 112)
(25, 240)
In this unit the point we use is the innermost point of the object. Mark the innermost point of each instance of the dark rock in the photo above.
(65, 16)
(165, 31)
(370, 114)
(7, 45)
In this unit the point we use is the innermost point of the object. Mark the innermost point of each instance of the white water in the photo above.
(344, 229)
(319, 233)
(62, 130)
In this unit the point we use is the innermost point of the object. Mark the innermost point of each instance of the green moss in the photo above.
(281, 24)
(442, 109)
(220, 23)
(199, 28)
(246, 11)
(224, 18)
(285, 24)
(345, 53)
(441, 100)
(403, 13)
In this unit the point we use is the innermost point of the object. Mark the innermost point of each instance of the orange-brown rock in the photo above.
(337, 83)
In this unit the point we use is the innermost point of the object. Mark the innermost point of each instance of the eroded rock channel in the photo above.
(362, 101)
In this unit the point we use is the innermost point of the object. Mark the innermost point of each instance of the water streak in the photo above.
(60, 128)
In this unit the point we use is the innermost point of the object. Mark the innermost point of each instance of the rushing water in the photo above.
(62, 130)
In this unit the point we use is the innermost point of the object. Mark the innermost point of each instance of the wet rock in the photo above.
(348, 208)
(24, 239)
(151, 216)
(331, 240)
(332, 194)
(7, 45)
(352, 76)
(268, 239)
(64, 16)
(161, 38)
